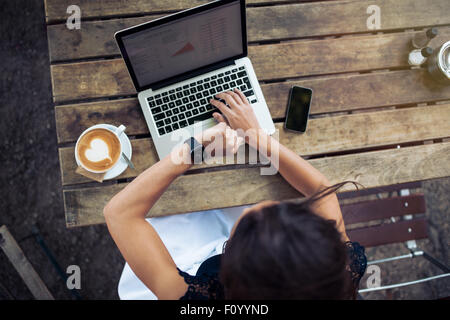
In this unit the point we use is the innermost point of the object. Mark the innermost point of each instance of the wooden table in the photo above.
(374, 119)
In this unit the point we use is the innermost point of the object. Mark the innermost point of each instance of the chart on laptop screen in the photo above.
(186, 44)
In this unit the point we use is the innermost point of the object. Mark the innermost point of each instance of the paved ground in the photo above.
(31, 188)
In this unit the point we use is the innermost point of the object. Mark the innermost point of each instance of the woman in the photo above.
(276, 250)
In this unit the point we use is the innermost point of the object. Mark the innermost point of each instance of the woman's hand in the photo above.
(220, 137)
(238, 114)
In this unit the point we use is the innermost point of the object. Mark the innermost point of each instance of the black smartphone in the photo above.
(298, 109)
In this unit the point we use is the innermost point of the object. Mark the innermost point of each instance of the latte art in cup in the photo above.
(98, 150)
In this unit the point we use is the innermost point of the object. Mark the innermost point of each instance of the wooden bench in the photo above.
(393, 219)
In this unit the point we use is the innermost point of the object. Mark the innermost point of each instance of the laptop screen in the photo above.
(185, 44)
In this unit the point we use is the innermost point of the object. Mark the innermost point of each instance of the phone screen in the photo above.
(298, 109)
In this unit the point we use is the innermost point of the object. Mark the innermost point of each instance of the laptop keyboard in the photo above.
(182, 106)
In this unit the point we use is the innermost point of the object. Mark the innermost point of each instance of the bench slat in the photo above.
(23, 266)
(390, 233)
(246, 186)
(330, 95)
(324, 135)
(95, 38)
(365, 211)
(109, 78)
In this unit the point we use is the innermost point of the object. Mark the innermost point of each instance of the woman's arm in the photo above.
(299, 173)
(136, 239)
(302, 176)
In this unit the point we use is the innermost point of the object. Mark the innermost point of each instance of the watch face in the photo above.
(196, 150)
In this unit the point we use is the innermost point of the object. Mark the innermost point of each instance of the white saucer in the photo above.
(121, 165)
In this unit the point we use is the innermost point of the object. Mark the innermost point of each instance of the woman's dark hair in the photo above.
(286, 251)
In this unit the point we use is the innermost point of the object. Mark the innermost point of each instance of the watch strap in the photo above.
(197, 150)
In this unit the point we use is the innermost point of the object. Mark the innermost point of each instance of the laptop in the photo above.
(179, 62)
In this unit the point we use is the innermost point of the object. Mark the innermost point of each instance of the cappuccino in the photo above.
(98, 150)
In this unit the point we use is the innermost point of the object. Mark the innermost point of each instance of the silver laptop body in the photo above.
(179, 62)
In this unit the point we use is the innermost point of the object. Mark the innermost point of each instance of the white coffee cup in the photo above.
(117, 131)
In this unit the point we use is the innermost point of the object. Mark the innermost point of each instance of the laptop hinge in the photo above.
(192, 74)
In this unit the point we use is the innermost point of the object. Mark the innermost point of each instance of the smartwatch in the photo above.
(197, 150)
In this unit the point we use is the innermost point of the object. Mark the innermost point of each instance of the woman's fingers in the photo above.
(236, 97)
(241, 95)
(222, 107)
(228, 98)
(235, 141)
(220, 118)
(221, 126)
(231, 140)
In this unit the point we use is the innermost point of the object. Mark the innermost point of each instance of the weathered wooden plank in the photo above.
(347, 54)
(55, 10)
(72, 120)
(324, 135)
(26, 271)
(369, 210)
(390, 233)
(144, 154)
(341, 17)
(106, 78)
(246, 186)
(96, 38)
(331, 94)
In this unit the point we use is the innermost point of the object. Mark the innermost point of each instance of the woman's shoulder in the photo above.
(205, 286)
(357, 260)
